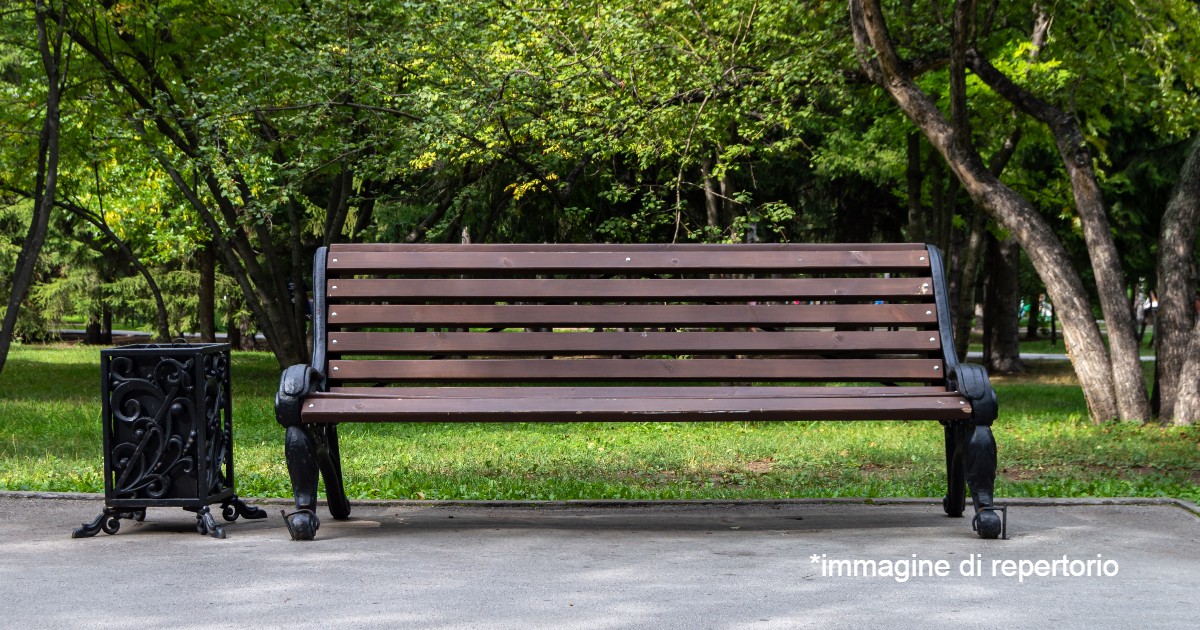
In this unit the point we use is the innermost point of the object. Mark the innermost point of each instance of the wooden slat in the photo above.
(503, 274)
(632, 391)
(590, 316)
(947, 407)
(508, 370)
(725, 260)
(622, 247)
(538, 343)
(567, 290)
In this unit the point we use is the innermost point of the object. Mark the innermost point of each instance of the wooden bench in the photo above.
(564, 333)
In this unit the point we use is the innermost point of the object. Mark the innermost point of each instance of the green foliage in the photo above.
(1126, 71)
(33, 325)
(547, 122)
(648, 223)
(80, 293)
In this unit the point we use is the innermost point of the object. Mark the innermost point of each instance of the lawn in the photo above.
(50, 441)
(1042, 344)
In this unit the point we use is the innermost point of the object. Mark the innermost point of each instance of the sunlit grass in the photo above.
(1044, 345)
(50, 441)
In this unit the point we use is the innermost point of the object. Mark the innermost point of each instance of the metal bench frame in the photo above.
(438, 296)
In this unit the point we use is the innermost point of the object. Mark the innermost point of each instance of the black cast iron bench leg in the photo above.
(301, 451)
(978, 448)
(955, 500)
(330, 461)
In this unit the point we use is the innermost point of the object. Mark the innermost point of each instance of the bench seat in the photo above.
(673, 404)
(632, 333)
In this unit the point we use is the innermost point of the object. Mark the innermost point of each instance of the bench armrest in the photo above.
(972, 381)
(297, 382)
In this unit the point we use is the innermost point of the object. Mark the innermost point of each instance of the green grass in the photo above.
(1042, 344)
(50, 441)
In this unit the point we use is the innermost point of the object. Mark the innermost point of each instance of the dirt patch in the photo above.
(760, 466)
(886, 473)
(1043, 372)
(1019, 474)
(1029, 474)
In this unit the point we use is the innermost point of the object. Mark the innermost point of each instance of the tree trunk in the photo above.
(338, 206)
(729, 207)
(366, 210)
(301, 310)
(47, 179)
(973, 250)
(206, 317)
(91, 332)
(1128, 378)
(233, 332)
(1053, 325)
(106, 333)
(1010, 209)
(972, 257)
(1031, 324)
(943, 218)
(712, 198)
(937, 190)
(916, 179)
(1176, 314)
(1002, 340)
(1187, 397)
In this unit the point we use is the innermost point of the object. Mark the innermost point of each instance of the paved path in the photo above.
(1034, 356)
(725, 565)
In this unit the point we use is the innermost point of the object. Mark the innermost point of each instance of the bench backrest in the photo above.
(746, 314)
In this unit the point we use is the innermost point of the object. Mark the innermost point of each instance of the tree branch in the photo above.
(1024, 99)
(964, 12)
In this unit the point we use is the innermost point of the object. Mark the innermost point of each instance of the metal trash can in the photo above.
(168, 435)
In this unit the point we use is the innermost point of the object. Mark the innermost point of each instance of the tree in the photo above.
(1001, 336)
(50, 47)
(1114, 385)
(256, 131)
(1128, 379)
(146, 60)
(1176, 323)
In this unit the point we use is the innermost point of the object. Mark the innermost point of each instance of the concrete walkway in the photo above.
(1129, 564)
(1034, 356)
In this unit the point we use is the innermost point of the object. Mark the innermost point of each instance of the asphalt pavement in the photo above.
(790, 564)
